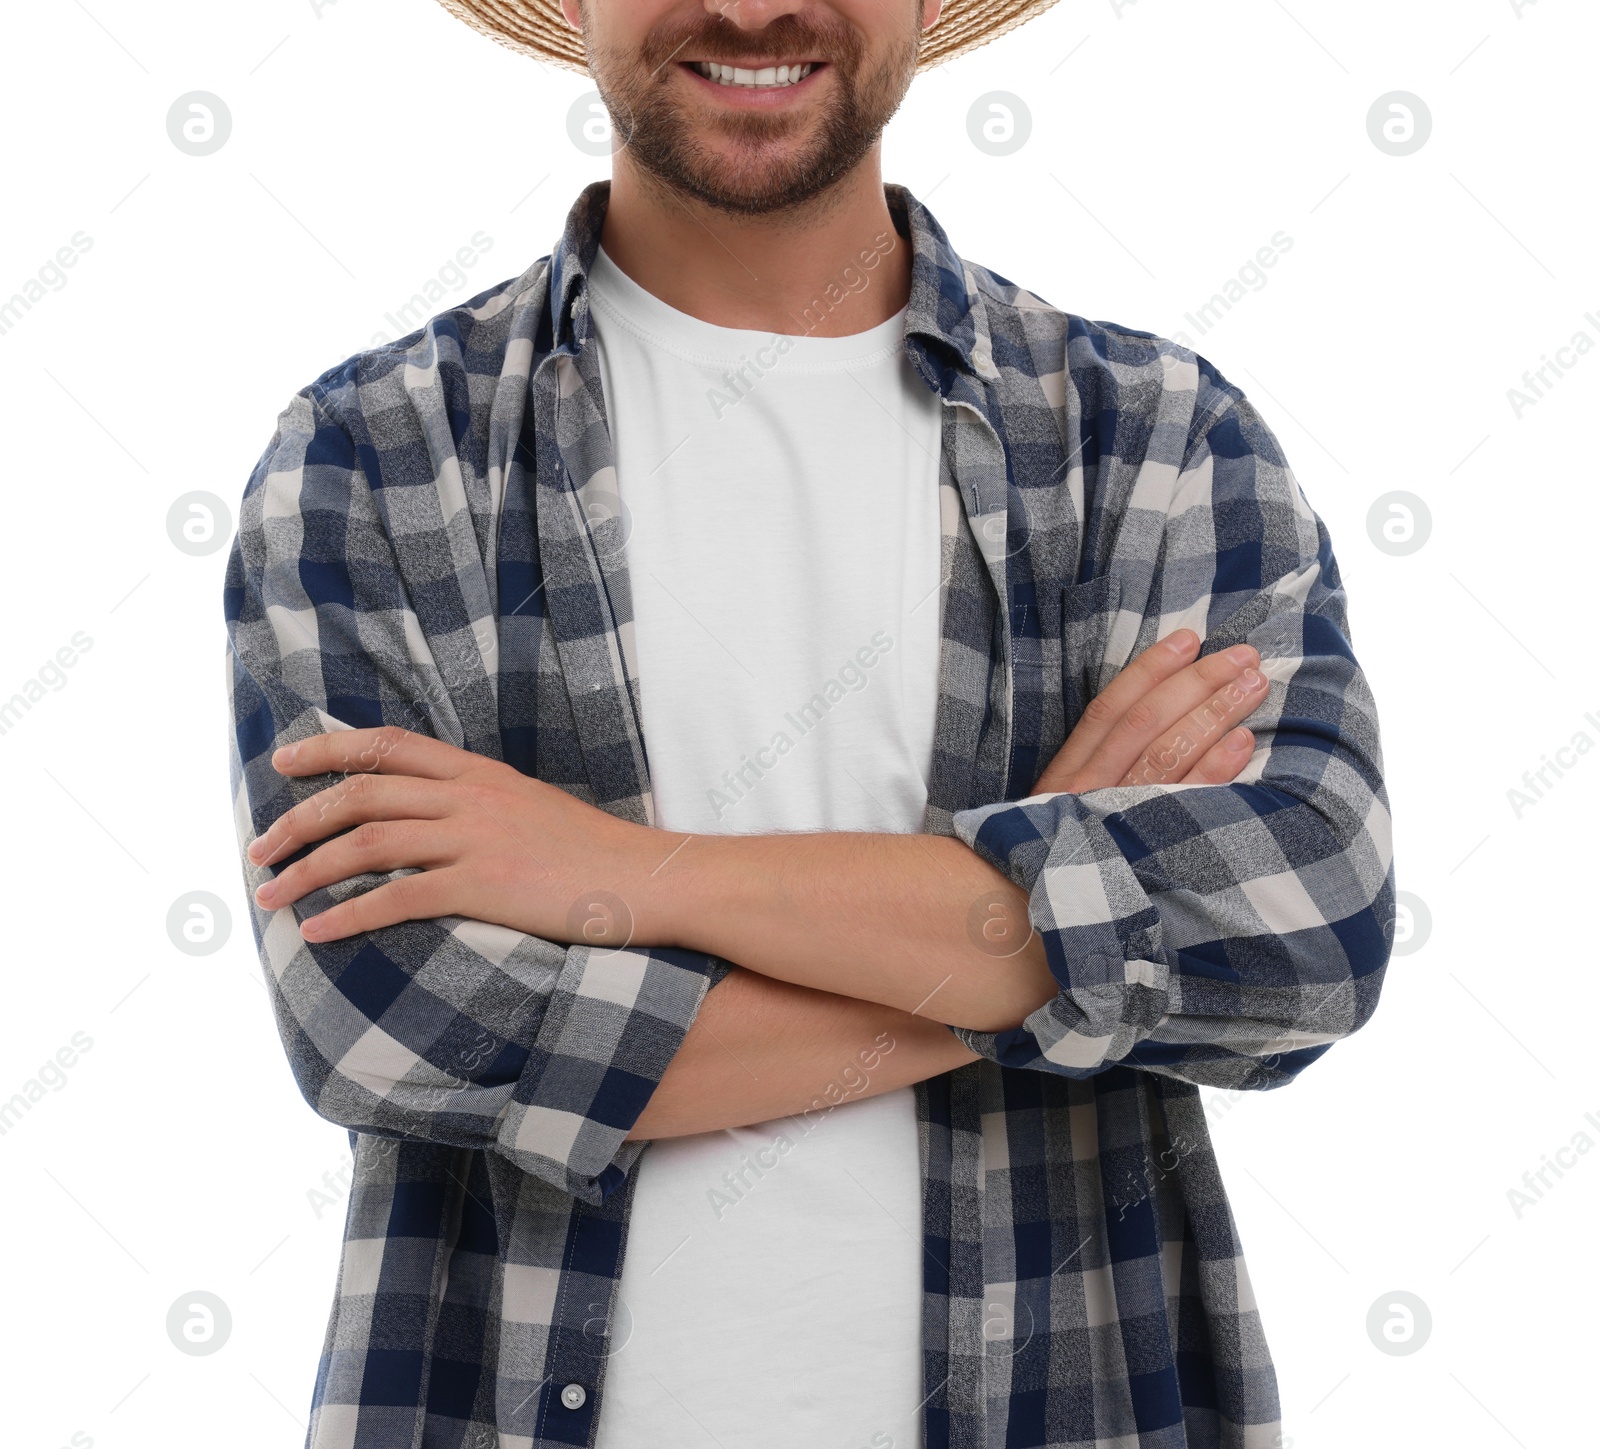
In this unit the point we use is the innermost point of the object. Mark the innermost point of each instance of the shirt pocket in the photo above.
(1087, 611)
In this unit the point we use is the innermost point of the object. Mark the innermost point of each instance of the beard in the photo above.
(775, 164)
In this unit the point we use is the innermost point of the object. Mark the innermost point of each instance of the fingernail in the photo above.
(256, 849)
(311, 930)
(1239, 740)
(265, 893)
(282, 759)
(1252, 679)
(1240, 654)
(1181, 642)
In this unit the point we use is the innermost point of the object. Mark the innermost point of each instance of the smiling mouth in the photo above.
(768, 78)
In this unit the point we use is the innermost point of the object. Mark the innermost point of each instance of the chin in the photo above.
(758, 194)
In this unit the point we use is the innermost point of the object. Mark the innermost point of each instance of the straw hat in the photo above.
(536, 27)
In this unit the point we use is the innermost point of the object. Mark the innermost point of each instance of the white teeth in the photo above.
(728, 75)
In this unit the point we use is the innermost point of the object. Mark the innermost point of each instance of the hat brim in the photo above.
(537, 28)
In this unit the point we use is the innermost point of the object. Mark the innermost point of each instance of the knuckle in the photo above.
(1147, 665)
(371, 836)
(477, 783)
(1141, 716)
(1216, 667)
(1100, 711)
(1144, 772)
(389, 739)
(379, 744)
(406, 893)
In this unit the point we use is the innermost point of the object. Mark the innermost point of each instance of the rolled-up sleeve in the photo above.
(450, 1030)
(1225, 935)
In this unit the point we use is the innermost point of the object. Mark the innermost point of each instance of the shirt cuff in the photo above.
(1101, 935)
(614, 1020)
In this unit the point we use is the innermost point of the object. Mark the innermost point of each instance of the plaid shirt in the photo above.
(433, 539)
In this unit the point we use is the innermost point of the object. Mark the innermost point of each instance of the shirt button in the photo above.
(573, 1396)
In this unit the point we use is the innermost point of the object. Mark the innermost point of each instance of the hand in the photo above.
(492, 844)
(1163, 720)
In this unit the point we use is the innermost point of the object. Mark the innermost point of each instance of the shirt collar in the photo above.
(946, 328)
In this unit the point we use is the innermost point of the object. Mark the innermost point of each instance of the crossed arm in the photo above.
(844, 937)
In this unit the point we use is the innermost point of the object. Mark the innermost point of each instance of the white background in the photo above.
(1169, 142)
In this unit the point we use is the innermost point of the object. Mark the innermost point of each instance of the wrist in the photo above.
(659, 899)
(711, 893)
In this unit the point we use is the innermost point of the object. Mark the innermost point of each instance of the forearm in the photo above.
(916, 922)
(762, 1049)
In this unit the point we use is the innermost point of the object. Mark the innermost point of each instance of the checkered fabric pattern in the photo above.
(433, 539)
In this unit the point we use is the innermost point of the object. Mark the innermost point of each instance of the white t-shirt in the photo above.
(781, 497)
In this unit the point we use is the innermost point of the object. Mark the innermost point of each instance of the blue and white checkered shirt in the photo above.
(432, 539)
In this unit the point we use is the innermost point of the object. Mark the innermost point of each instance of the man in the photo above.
(760, 686)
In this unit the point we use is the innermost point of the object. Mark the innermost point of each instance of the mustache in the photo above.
(713, 38)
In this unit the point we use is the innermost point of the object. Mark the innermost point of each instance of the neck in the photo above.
(829, 268)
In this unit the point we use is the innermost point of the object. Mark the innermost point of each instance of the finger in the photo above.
(1168, 709)
(1135, 679)
(353, 801)
(1170, 758)
(388, 750)
(376, 846)
(1220, 765)
(421, 897)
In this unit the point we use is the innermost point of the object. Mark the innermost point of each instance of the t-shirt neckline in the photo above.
(630, 305)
